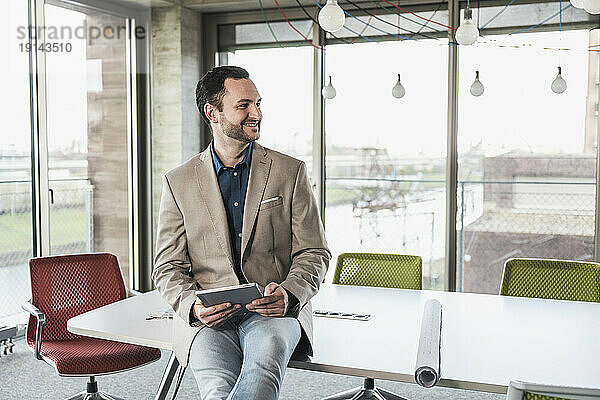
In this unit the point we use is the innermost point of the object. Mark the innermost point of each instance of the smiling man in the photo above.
(239, 213)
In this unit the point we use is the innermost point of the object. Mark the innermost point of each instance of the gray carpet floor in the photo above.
(23, 378)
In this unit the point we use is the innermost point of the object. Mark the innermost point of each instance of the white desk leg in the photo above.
(168, 375)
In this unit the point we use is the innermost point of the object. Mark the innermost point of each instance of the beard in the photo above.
(237, 132)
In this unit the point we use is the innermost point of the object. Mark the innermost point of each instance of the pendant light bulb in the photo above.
(477, 87)
(577, 3)
(331, 16)
(328, 91)
(559, 85)
(592, 6)
(467, 33)
(398, 90)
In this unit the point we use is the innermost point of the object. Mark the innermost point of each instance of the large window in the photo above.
(386, 157)
(16, 234)
(526, 156)
(527, 166)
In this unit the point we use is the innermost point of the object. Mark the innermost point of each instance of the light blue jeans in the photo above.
(245, 358)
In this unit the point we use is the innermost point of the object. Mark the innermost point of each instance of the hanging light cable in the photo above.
(345, 27)
(412, 21)
(529, 28)
(559, 85)
(294, 28)
(417, 15)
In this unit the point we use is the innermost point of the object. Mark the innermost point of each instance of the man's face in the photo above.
(241, 115)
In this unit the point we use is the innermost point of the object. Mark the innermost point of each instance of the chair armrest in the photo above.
(39, 330)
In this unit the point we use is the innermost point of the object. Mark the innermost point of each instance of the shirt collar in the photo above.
(219, 165)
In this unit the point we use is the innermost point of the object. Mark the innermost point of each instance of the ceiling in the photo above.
(210, 6)
(214, 6)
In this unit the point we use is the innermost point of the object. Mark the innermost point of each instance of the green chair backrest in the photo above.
(380, 270)
(519, 390)
(535, 396)
(551, 279)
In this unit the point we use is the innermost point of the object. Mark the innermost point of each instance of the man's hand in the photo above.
(274, 303)
(216, 315)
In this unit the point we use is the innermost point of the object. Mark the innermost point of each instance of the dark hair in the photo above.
(211, 88)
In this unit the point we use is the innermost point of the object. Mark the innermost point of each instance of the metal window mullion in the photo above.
(209, 52)
(132, 164)
(452, 153)
(597, 202)
(145, 232)
(39, 134)
(319, 120)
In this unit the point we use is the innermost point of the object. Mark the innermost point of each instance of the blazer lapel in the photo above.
(210, 192)
(257, 182)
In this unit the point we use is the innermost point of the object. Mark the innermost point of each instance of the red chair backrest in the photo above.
(65, 286)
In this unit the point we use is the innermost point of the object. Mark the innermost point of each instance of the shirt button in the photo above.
(239, 235)
(235, 174)
(235, 204)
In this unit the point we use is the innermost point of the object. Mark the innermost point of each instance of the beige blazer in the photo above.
(282, 238)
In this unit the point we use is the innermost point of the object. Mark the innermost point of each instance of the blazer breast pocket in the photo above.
(271, 202)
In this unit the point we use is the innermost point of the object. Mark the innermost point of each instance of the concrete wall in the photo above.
(190, 75)
(176, 68)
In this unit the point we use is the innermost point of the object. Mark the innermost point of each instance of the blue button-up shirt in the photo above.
(233, 183)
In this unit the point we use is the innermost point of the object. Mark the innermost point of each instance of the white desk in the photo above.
(487, 340)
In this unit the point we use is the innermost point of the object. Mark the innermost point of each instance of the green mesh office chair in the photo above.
(529, 391)
(551, 279)
(378, 270)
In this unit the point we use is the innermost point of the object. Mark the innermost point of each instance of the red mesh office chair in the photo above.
(63, 287)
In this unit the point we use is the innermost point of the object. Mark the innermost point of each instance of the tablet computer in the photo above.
(239, 294)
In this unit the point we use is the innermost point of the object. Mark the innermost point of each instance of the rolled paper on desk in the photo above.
(428, 365)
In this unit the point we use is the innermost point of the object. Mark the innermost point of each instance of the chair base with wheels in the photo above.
(92, 393)
(367, 391)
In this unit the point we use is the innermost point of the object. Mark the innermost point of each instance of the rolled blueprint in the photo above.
(428, 366)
